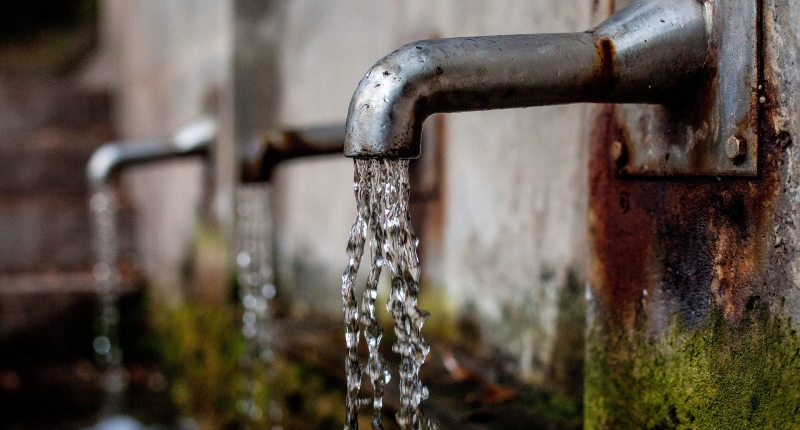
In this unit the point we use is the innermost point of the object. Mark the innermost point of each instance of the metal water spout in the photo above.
(194, 139)
(652, 52)
(278, 145)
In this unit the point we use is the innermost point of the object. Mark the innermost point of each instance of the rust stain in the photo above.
(607, 53)
(437, 208)
(259, 161)
(612, 7)
(595, 6)
(428, 188)
(617, 211)
(697, 240)
(606, 69)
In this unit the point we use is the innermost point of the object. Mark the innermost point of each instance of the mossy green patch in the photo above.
(201, 347)
(443, 319)
(722, 375)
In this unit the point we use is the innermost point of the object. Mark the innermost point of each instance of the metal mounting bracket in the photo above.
(710, 129)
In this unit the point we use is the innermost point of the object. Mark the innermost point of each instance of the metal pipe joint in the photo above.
(275, 146)
(642, 54)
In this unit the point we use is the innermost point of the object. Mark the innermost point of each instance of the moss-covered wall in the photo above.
(717, 376)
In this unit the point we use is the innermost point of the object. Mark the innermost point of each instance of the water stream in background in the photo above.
(257, 290)
(107, 281)
(382, 194)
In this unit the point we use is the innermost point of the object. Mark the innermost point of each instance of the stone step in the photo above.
(52, 232)
(35, 103)
(48, 131)
(32, 170)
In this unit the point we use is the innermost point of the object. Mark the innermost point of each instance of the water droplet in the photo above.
(254, 270)
(101, 272)
(243, 259)
(100, 201)
(102, 345)
(268, 291)
(115, 380)
(249, 301)
(249, 318)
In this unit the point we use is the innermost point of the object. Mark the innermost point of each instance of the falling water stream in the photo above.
(107, 280)
(382, 193)
(256, 289)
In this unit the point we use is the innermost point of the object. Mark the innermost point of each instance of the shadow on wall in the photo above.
(520, 324)
(300, 284)
(566, 364)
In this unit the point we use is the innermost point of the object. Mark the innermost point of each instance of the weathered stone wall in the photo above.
(49, 128)
(48, 131)
(515, 230)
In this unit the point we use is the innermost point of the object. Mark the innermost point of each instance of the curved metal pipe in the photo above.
(194, 139)
(640, 55)
(275, 146)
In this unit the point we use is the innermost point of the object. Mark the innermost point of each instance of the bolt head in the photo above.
(734, 147)
(617, 151)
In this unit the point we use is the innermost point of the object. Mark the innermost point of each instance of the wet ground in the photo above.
(466, 392)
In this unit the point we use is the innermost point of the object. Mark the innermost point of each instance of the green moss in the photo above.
(442, 324)
(200, 346)
(308, 398)
(721, 375)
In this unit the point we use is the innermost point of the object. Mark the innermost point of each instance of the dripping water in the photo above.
(257, 290)
(107, 281)
(382, 195)
(355, 249)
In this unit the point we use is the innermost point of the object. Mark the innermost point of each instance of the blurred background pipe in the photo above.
(274, 146)
(194, 139)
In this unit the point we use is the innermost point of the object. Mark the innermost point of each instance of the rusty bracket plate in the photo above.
(712, 129)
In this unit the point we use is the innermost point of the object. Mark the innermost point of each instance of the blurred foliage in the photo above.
(309, 400)
(202, 348)
(46, 36)
(442, 324)
(564, 409)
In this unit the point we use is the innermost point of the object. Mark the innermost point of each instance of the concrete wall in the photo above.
(515, 229)
(48, 131)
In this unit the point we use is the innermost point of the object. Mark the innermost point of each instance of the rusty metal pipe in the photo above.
(194, 139)
(642, 54)
(275, 146)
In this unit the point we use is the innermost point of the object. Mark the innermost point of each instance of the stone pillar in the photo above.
(166, 62)
(694, 299)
